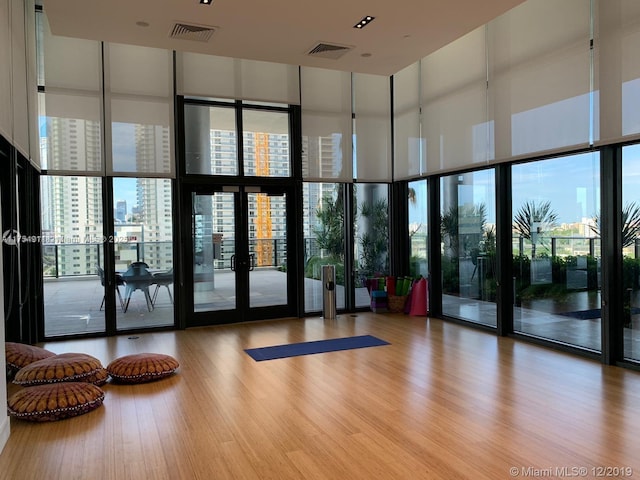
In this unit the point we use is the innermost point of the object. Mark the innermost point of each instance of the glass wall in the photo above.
(266, 143)
(556, 249)
(468, 212)
(143, 247)
(631, 249)
(371, 242)
(72, 255)
(323, 226)
(418, 228)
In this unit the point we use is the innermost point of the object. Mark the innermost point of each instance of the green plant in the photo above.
(313, 268)
(630, 224)
(375, 241)
(532, 221)
(330, 231)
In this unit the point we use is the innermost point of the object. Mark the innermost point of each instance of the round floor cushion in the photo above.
(55, 401)
(142, 367)
(65, 367)
(20, 355)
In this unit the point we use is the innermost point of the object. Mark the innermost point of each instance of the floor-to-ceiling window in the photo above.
(72, 255)
(143, 251)
(418, 228)
(468, 211)
(371, 242)
(556, 249)
(324, 240)
(631, 250)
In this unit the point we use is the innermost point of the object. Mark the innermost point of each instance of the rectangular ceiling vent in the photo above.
(329, 50)
(184, 31)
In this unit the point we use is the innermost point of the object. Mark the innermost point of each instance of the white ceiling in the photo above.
(283, 31)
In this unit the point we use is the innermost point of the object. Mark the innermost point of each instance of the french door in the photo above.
(236, 268)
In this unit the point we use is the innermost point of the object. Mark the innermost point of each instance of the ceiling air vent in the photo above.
(184, 31)
(328, 50)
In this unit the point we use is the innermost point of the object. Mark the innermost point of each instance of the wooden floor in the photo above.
(441, 402)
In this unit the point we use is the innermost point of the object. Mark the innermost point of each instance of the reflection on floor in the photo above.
(72, 306)
(549, 319)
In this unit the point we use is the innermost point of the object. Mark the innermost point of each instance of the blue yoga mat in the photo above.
(318, 346)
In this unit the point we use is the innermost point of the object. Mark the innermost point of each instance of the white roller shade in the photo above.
(326, 124)
(617, 43)
(141, 137)
(409, 156)
(539, 60)
(70, 110)
(140, 70)
(220, 77)
(372, 130)
(71, 63)
(17, 88)
(71, 132)
(139, 91)
(455, 119)
(6, 116)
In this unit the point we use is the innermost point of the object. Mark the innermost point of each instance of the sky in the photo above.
(570, 183)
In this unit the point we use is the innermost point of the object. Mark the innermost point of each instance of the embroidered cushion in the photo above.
(55, 401)
(20, 355)
(142, 367)
(65, 367)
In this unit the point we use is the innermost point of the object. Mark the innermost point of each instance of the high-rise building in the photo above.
(120, 213)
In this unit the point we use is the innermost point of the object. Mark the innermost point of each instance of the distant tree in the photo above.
(532, 221)
(630, 224)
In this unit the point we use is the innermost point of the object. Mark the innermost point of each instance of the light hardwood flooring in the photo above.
(443, 401)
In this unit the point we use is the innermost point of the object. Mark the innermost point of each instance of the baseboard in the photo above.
(4, 432)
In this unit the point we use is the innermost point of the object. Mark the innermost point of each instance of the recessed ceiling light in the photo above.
(364, 22)
(142, 24)
(206, 2)
(365, 55)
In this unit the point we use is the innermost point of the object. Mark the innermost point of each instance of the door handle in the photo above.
(252, 261)
(233, 263)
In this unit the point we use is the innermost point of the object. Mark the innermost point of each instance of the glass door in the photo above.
(239, 253)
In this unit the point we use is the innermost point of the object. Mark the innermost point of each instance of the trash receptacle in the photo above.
(329, 292)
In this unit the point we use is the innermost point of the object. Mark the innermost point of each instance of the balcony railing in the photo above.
(81, 259)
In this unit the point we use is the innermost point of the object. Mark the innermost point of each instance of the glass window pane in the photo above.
(371, 245)
(70, 132)
(267, 249)
(266, 145)
(418, 229)
(326, 125)
(631, 250)
(143, 245)
(468, 212)
(72, 255)
(323, 226)
(213, 235)
(211, 141)
(556, 249)
(141, 136)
